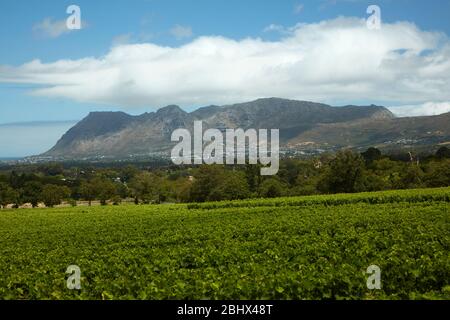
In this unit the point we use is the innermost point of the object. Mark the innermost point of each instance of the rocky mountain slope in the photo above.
(303, 126)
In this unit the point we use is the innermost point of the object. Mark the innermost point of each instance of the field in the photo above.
(316, 247)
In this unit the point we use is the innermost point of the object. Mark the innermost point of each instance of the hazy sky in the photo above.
(26, 139)
(140, 55)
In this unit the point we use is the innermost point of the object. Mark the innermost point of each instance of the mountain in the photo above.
(303, 126)
(419, 133)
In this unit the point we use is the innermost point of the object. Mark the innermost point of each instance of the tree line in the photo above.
(343, 172)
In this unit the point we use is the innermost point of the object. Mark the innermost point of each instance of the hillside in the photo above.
(303, 126)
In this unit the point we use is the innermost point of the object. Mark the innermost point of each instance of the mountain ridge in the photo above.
(119, 134)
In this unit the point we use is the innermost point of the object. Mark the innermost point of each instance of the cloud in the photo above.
(52, 29)
(327, 3)
(130, 38)
(181, 32)
(275, 28)
(282, 30)
(338, 61)
(122, 39)
(425, 109)
(298, 8)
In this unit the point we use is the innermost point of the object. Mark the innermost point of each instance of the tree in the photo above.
(443, 152)
(52, 169)
(128, 173)
(307, 178)
(289, 170)
(371, 154)
(234, 186)
(412, 177)
(147, 187)
(88, 191)
(105, 189)
(438, 174)
(373, 182)
(206, 179)
(253, 175)
(116, 200)
(179, 189)
(52, 195)
(388, 171)
(15, 180)
(345, 174)
(271, 188)
(7, 195)
(31, 192)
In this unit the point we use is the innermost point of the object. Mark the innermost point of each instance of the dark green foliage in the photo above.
(88, 191)
(271, 188)
(443, 152)
(52, 195)
(438, 174)
(51, 169)
(8, 195)
(411, 177)
(371, 154)
(32, 193)
(105, 189)
(345, 171)
(207, 178)
(116, 200)
(233, 186)
(345, 174)
(148, 187)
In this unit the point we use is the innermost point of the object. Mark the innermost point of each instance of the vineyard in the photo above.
(316, 247)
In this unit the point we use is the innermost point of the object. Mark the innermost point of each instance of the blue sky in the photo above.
(174, 24)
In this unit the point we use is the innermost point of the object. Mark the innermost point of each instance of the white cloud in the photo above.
(425, 109)
(298, 8)
(274, 27)
(50, 28)
(181, 32)
(336, 61)
(122, 39)
(131, 38)
(327, 3)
